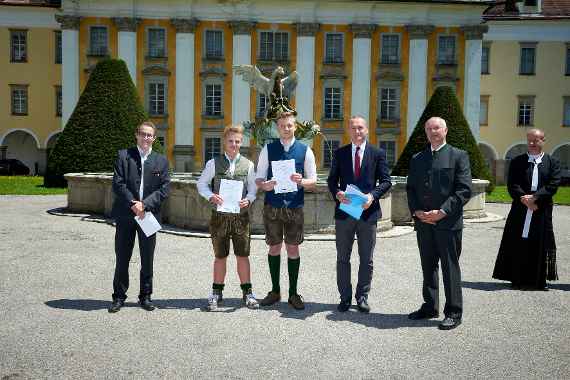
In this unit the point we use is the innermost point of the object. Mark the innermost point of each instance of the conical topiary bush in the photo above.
(444, 104)
(104, 120)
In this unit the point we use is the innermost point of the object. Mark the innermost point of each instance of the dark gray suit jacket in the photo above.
(443, 183)
(127, 181)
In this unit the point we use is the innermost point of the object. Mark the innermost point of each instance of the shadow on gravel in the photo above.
(381, 321)
(83, 304)
(495, 286)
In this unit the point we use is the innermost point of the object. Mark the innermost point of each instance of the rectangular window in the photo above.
(261, 104)
(213, 99)
(214, 44)
(329, 147)
(156, 42)
(273, 46)
(156, 99)
(566, 116)
(484, 110)
(212, 148)
(485, 59)
(333, 103)
(389, 104)
(390, 52)
(18, 46)
(527, 64)
(98, 41)
(567, 59)
(333, 48)
(526, 111)
(390, 149)
(446, 50)
(58, 47)
(58, 101)
(19, 99)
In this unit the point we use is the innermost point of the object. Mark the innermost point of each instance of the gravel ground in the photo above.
(56, 285)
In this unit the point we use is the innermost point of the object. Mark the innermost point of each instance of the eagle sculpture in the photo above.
(276, 84)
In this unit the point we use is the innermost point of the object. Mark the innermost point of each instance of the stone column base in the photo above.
(184, 158)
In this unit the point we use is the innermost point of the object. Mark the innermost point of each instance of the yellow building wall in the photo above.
(504, 85)
(41, 74)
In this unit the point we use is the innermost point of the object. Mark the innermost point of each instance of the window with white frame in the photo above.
(213, 99)
(390, 49)
(333, 103)
(212, 148)
(485, 56)
(566, 113)
(58, 47)
(19, 99)
(484, 110)
(334, 47)
(389, 146)
(156, 97)
(527, 59)
(526, 111)
(58, 101)
(446, 50)
(262, 101)
(329, 147)
(98, 41)
(273, 46)
(389, 103)
(156, 42)
(18, 46)
(214, 44)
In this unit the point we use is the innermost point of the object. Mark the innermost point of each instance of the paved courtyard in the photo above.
(55, 287)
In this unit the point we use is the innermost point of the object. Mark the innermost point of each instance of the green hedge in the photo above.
(444, 104)
(104, 121)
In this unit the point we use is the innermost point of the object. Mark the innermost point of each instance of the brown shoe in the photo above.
(297, 302)
(270, 299)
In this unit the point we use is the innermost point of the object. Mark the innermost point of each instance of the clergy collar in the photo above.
(142, 154)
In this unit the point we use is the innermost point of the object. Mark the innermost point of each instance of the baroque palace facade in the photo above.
(379, 59)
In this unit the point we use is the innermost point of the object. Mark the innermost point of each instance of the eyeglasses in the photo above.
(148, 136)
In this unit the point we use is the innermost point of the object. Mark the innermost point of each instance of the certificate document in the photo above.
(231, 192)
(148, 224)
(282, 171)
(357, 200)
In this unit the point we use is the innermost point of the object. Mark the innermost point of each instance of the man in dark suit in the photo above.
(140, 184)
(438, 186)
(364, 166)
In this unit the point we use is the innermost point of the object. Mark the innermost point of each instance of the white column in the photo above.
(417, 75)
(128, 52)
(304, 94)
(472, 80)
(361, 69)
(185, 73)
(70, 65)
(241, 54)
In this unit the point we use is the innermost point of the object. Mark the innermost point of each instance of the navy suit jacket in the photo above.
(127, 181)
(374, 178)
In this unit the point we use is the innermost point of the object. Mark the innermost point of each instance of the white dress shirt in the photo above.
(143, 159)
(360, 153)
(205, 180)
(263, 162)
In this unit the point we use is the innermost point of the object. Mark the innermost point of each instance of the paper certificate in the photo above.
(148, 224)
(231, 192)
(282, 171)
(357, 199)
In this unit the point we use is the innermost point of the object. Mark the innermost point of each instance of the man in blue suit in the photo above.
(363, 165)
(140, 183)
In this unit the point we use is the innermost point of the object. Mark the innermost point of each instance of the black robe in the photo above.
(529, 262)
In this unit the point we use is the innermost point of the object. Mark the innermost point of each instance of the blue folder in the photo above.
(354, 208)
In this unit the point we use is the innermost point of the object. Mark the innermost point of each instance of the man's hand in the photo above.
(244, 203)
(529, 201)
(368, 202)
(435, 216)
(423, 217)
(342, 198)
(138, 208)
(297, 178)
(267, 185)
(215, 199)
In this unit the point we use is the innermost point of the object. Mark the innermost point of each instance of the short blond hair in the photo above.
(232, 128)
(147, 123)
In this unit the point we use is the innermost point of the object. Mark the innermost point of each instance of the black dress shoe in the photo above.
(343, 306)
(146, 304)
(449, 323)
(422, 314)
(363, 306)
(116, 306)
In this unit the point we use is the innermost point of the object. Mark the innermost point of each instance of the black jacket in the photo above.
(127, 180)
